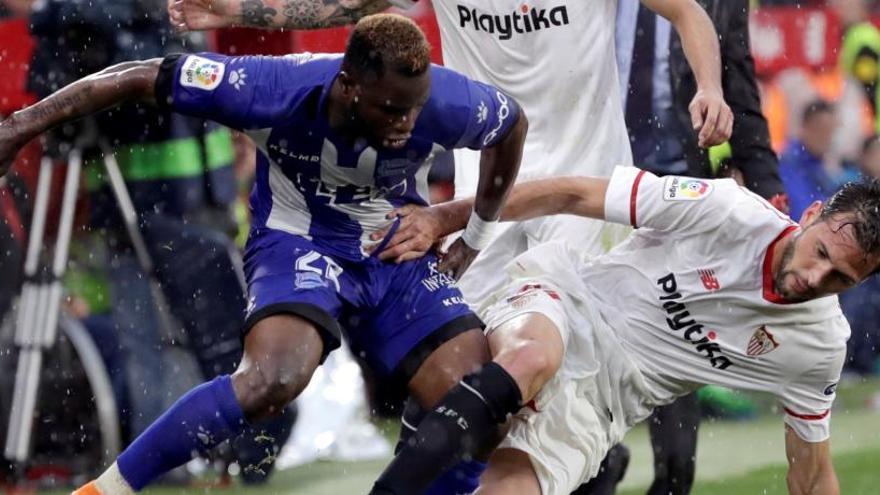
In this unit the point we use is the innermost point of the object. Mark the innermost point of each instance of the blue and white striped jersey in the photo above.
(311, 182)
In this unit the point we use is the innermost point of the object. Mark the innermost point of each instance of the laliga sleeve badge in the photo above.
(686, 188)
(202, 73)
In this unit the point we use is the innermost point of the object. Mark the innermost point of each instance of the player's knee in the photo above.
(531, 363)
(268, 387)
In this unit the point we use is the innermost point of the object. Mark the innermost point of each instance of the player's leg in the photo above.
(281, 353)
(290, 328)
(510, 471)
(674, 440)
(483, 277)
(467, 418)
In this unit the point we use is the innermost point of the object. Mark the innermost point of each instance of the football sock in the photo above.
(112, 482)
(464, 477)
(201, 419)
(465, 419)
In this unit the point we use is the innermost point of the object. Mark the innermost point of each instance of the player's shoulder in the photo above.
(458, 103)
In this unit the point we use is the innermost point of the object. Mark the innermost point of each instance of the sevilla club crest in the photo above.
(761, 342)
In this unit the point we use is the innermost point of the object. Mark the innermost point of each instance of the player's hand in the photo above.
(199, 15)
(419, 229)
(711, 118)
(457, 260)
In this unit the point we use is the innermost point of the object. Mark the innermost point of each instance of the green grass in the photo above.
(740, 458)
(858, 471)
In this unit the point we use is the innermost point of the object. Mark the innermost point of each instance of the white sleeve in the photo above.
(641, 199)
(807, 400)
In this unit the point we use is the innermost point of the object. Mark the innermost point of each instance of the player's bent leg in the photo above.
(530, 348)
(466, 419)
(462, 355)
(510, 471)
(280, 354)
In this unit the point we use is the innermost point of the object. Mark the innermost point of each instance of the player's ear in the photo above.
(811, 213)
(349, 85)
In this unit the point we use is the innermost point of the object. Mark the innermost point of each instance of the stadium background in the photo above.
(734, 457)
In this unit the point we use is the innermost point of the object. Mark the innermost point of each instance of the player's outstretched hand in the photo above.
(457, 260)
(198, 15)
(711, 117)
(419, 229)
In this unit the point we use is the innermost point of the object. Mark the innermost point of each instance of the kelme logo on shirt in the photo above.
(202, 73)
(523, 20)
(686, 189)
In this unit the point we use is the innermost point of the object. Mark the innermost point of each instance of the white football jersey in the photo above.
(557, 59)
(688, 300)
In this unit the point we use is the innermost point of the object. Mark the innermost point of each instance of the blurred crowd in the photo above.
(188, 179)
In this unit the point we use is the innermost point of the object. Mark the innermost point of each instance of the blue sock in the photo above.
(201, 419)
(462, 479)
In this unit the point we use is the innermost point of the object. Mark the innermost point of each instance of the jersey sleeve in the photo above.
(641, 199)
(807, 399)
(488, 114)
(240, 92)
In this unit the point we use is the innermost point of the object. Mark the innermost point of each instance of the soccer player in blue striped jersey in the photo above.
(342, 140)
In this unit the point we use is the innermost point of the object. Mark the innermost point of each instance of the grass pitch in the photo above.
(733, 458)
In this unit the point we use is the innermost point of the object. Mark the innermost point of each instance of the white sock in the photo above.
(112, 482)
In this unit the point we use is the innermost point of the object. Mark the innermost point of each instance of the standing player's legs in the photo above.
(674, 440)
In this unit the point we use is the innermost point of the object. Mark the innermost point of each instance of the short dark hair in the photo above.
(815, 108)
(869, 142)
(383, 42)
(860, 203)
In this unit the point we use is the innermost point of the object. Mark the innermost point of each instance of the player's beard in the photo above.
(779, 280)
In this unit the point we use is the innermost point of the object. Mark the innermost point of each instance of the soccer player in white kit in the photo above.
(715, 286)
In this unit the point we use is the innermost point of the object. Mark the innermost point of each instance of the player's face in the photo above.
(822, 259)
(385, 110)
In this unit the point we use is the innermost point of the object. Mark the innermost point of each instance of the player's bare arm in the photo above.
(421, 227)
(710, 115)
(810, 471)
(499, 165)
(194, 15)
(113, 85)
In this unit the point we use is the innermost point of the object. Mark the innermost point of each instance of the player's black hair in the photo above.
(816, 107)
(869, 142)
(386, 42)
(859, 203)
